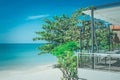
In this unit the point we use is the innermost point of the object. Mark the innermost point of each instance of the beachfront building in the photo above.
(116, 29)
(106, 60)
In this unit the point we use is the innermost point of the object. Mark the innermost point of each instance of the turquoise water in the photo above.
(22, 56)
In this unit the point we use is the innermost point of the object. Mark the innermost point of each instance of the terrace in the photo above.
(102, 65)
(103, 60)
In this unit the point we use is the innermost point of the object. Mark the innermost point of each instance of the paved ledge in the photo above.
(88, 74)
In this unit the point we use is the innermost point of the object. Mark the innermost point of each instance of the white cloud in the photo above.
(37, 17)
(22, 34)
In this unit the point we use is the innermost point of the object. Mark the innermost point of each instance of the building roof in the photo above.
(110, 14)
(112, 27)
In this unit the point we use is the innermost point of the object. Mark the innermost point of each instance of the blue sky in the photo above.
(19, 19)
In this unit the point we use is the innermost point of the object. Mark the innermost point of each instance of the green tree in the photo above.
(67, 60)
(60, 30)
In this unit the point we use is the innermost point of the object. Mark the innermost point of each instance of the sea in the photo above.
(23, 56)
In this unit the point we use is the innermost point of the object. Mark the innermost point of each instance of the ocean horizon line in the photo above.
(23, 43)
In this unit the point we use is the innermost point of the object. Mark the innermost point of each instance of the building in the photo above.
(115, 28)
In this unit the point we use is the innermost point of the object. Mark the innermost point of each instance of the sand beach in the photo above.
(45, 72)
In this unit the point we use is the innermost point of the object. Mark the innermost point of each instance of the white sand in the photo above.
(45, 72)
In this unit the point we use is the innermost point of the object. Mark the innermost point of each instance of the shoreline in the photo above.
(26, 67)
(40, 67)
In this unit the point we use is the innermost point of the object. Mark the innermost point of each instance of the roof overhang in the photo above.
(115, 28)
(110, 14)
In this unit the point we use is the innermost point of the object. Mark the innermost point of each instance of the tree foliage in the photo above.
(62, 29)
(67, 60)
